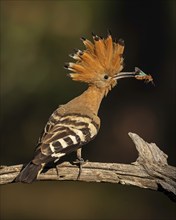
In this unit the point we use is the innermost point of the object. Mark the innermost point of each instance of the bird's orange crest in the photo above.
(104, 56)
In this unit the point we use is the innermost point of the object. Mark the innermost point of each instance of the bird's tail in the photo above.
(29, 173)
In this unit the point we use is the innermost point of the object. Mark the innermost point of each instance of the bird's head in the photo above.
(100, 63)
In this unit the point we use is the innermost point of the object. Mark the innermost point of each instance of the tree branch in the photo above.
(150, 171)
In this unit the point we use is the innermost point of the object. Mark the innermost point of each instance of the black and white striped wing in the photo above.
(66, 135)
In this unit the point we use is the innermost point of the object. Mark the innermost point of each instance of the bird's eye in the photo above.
(106, 76)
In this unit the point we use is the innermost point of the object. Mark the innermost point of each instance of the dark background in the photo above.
(36, 38)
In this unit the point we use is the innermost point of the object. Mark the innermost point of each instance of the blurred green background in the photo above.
(36, 38)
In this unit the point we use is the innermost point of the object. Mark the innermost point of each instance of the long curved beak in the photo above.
(123, 75)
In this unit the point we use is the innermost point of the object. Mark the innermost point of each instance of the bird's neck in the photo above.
(90, 99)
(93, 97)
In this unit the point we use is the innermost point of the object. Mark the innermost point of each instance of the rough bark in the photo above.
(150, 171)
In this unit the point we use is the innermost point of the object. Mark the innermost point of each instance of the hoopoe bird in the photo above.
(76, 123)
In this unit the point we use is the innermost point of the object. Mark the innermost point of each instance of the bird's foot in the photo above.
(80, 162)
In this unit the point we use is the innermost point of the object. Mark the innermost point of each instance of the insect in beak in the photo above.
(138, 74)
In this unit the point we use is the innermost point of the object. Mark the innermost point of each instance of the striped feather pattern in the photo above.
(64, 134)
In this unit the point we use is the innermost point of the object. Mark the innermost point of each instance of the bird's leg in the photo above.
(57, 168)
(78, 154)
(80, 161)
(57, 171)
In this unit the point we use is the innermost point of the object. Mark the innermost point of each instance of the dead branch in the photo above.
(150, 171)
